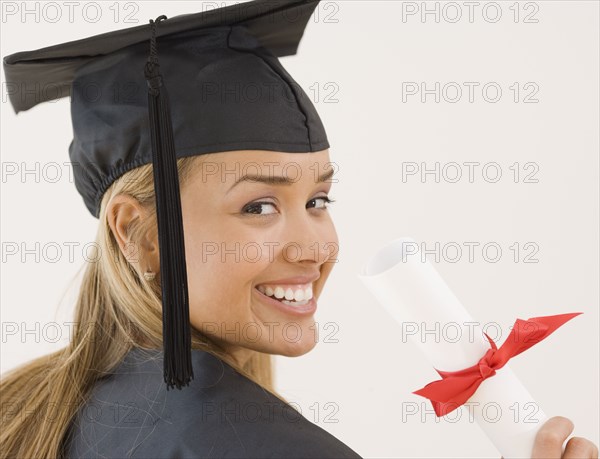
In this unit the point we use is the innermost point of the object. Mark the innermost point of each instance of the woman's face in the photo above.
(251, 241)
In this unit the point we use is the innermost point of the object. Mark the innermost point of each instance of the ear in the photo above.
(122, 211)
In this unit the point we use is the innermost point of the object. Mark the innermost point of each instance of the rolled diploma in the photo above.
(412, 291)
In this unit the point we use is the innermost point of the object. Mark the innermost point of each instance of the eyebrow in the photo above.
(276, 180)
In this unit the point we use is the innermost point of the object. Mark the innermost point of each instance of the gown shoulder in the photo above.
(221, 414)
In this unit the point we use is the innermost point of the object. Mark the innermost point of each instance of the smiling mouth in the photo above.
(291, 295)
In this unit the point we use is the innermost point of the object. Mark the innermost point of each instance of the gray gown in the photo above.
(221, 413)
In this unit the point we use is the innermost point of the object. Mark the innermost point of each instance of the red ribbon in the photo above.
(456, 387)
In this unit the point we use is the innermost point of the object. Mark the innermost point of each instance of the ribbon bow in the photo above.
(456, 387)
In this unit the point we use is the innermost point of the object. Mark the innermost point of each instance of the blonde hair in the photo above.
(115, 311)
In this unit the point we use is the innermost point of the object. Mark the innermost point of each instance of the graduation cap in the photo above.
(227, 91)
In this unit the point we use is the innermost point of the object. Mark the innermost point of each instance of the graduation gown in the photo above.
(130, 414)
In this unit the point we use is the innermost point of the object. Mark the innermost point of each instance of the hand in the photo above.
(551, 436)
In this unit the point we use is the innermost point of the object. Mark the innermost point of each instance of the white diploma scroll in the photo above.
(411, 290)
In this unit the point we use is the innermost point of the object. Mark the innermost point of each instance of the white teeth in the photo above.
(278, 293)
(286, 294)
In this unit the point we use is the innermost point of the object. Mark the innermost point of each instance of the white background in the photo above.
(368, 51)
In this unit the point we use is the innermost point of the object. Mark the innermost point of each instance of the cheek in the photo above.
(220, 281)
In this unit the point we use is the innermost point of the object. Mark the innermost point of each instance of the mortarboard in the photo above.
(218, 86)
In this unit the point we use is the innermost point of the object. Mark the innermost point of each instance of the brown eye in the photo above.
(325, 200)
(256, 207)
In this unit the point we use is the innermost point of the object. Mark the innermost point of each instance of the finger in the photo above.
(580, 448)
(550, 437)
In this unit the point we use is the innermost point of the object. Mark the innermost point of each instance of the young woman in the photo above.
(123, 312)
(259, 247)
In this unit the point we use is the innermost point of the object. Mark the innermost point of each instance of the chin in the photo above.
(302, 347)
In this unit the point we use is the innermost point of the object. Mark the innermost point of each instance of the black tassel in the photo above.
(173, 273)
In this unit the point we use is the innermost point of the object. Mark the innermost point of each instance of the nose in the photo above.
(310, 239)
